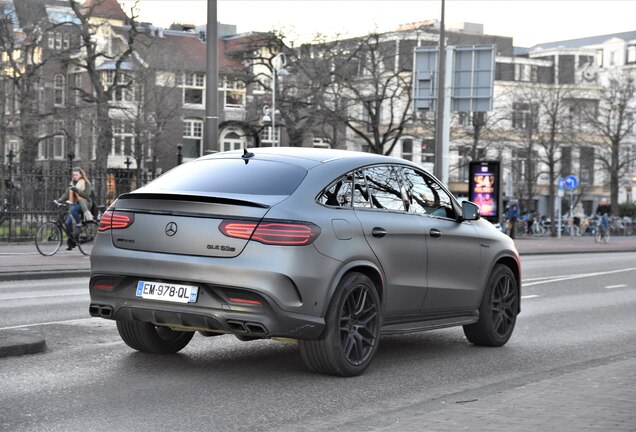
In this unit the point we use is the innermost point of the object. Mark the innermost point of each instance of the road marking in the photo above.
(576, 276)
(75, 321)
(18, 253)
(529, 296)
(615, 286)
(37, 296)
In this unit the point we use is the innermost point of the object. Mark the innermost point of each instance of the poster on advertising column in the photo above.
(483, 187)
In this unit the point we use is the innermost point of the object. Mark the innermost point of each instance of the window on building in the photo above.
(528, 73)
(523, 168)
(524, 116)
(108, 77)
(612, 58)
(192, 138)
(566, 161)
(78, 85)
(579, 112)
(369, 116)
(193, 88)
(123, 137)
(78, 137)
(121, 94)
(59, 85)
(631, 54)
(234, 92)
(59, 146)
(42, 149)
(428, 150)
(599, 58)
(586, 163)
(407, 149)
(267, 140)
(232, 141)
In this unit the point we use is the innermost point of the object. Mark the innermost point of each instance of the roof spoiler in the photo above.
(191, 198)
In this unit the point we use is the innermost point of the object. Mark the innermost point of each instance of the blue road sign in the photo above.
(560, 183)
(571, 182)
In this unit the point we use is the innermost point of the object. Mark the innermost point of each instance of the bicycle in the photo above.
(602, 233)
(49, 236)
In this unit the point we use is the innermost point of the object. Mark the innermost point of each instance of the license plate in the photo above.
(167, 292)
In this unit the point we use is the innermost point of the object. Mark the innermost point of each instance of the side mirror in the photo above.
(470, 211)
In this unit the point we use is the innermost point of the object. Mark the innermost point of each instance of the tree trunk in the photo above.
(551, 206)
(615, 177)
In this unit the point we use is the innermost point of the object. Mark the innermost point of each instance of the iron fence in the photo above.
(27, 195)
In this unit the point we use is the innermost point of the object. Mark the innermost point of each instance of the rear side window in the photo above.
(231, 176)
(338, 194)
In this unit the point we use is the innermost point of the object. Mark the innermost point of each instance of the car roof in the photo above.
(306, 157)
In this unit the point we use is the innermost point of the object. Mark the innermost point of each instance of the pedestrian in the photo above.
(78, 195)
(604, 208)
(512, 215)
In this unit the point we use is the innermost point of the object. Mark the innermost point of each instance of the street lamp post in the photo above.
(280, 57)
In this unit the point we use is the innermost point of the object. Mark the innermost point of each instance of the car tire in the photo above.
(498, 310)
(352, 330)
(149, 338)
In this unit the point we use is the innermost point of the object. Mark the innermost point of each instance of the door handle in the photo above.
(378, 232)
(435, 233)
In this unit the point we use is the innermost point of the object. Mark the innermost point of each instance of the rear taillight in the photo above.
(272, 232)
(110, 220)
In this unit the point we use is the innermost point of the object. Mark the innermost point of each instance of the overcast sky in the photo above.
(529, 22)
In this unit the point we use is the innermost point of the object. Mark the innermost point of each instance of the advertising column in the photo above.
(484, 188)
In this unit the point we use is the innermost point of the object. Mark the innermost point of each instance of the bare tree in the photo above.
(152, 111)
(613, 121)
(95, 55)
(554, 132)
(368, 93)
(524, 116)
(22, 63)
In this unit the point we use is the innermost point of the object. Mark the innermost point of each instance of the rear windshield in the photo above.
(231, 176)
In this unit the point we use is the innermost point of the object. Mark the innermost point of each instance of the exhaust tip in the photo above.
(256, 328)
(96, 310)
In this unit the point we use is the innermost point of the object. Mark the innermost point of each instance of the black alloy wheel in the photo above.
(352, 330)
(358, 325)
(498, 310)
(503, 305)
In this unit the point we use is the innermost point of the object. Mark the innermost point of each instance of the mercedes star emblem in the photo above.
(171, 229)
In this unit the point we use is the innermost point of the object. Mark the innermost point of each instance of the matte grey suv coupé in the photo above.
(327, 247)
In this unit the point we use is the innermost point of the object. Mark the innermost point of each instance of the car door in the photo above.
(397, 238)
(454, 247)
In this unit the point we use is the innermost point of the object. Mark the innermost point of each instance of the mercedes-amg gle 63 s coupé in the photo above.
(330, 248)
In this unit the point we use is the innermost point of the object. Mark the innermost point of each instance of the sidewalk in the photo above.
(19, 261)
(22, 261)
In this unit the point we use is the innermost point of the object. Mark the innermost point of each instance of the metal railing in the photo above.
(26, 195)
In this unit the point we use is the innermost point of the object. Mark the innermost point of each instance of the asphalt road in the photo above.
(575, 309)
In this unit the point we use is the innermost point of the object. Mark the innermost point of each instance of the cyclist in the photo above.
(78, 195)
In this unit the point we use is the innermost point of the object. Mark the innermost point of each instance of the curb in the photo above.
(16, 344)
(43, 274)
(579, 251)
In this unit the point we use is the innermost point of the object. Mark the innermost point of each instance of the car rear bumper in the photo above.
(214, 310)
